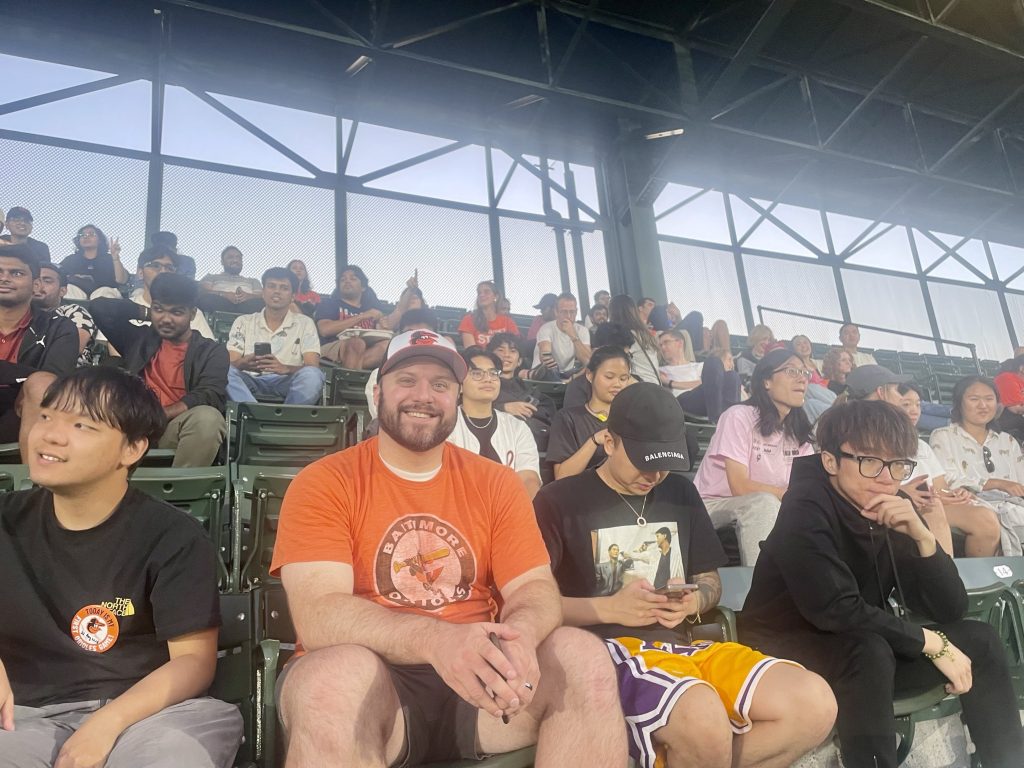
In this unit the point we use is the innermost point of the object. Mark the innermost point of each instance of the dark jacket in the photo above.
(206, 361)
(826, 568)
(50, 344)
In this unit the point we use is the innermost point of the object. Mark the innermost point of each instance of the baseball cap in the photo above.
(650, 423)
(547, 300)
(865, 379)
(17, 212)
(424, 343)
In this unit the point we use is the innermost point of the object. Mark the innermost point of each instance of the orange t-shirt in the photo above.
(1010, 386)
(500, 324)
(433, 548)
(165, 372)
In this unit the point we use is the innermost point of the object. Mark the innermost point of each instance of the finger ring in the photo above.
(527, 686)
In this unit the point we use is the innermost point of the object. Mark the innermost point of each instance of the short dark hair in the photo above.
(164, 238)
(908, 387)
(280, 273)
(611, 334)
(666, 532)
(113, 397)
(646, 299)
(602, 292)
(171, 288)
(869, 426)
(232, 248)
(357, 271)
(470, 352)
(23, 253)
(155, 252)
(499, 339)
(418, 316)
(956, 413)
(602, 355)
(61, 277)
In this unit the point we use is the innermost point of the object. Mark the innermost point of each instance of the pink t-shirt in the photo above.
(768, 459)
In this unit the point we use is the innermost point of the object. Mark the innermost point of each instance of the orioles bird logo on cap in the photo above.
(422, 339)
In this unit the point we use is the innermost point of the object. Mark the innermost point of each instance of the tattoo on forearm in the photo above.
(710, 588)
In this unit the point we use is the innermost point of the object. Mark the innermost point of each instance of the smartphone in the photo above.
(676, 591)
(261, 348)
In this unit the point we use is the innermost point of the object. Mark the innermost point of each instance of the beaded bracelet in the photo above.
(944, 651)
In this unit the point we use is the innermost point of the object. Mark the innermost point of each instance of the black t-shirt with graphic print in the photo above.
(85, 615)
(585, 523)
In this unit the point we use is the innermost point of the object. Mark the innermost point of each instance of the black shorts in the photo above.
(439, 725)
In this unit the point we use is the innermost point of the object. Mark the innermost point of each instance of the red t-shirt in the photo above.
(10, 344)
(500, 324)
(433, 548)
(1010, 387)
(165, 373)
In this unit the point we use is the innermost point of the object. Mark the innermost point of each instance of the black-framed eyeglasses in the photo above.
(872, 466)
(482, 374)
(986, 454)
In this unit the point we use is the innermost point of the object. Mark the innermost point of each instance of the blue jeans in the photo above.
(303, 387)
(933, 416)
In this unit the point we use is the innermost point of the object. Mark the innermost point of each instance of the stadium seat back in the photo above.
(258, 493)
(14, 477)
(235, 678)
(286, 435)
(220, 324)
(553, 389)
(10, 453)
(201, 492)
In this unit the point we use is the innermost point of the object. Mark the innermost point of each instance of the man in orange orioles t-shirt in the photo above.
(391, 553)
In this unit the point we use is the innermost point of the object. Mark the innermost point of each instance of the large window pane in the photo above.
(788, 285)
(703, 279)
(390, 239)
(530, 260)
(889, 302)
(971, 315)
(596, 263)
(65, 189)
(272, 222)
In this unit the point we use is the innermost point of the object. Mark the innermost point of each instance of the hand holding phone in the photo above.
(676, 591)
(261, 348)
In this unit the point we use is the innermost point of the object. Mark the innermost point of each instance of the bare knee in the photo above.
(697, 732)
(577, 671)
(987, 523)
(340, 684)
(811, 708)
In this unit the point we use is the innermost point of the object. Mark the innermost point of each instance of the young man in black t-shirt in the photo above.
(623, 540)
(110, 597)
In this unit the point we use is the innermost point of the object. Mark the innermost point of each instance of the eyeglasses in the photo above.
(872, 466)
(482, 374)
(794, 373)
(986, 454)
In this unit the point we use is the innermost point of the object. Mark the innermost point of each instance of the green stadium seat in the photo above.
(158, 457)
(703, 432)
(235, 680)
(258, 493)
(220, 324)
(199, 491)
(553, 389)
(10, 453)
(14, 477)
(942, 386)
(284, 435)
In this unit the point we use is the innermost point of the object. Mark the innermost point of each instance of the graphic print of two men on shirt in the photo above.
(626, 553)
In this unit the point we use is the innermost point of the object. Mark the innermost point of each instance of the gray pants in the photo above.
(196, 436)
(197, 733)
(754, 515)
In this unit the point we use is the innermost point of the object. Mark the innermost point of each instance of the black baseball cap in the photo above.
(547, 300)
(865, 379)
(650, 423)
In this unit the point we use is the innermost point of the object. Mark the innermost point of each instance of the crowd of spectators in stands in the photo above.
(617, 540)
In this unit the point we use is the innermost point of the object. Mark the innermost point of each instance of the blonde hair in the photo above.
(720, 338)
(759, 333)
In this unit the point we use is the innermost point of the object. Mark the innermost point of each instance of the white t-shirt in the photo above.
(684, 372)
(225, 283)
(644, 362)
(561, 345)
(964, 458)
(292, 339)
(512, 441)
(768, 459)
(928, 463)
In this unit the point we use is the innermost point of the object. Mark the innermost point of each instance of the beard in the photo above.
(414, 437)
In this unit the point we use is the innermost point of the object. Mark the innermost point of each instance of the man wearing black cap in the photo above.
(19, 225)
(546, 305)
(694, 704)
(392, 554)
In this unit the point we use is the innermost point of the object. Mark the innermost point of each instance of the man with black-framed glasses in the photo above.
(844, 541)
(491, 433)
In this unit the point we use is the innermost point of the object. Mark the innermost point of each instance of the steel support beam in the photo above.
(64, 93)
(747, 52)
(980, 127)
(451, 26)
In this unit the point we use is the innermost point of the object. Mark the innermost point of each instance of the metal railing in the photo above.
(970, 347)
